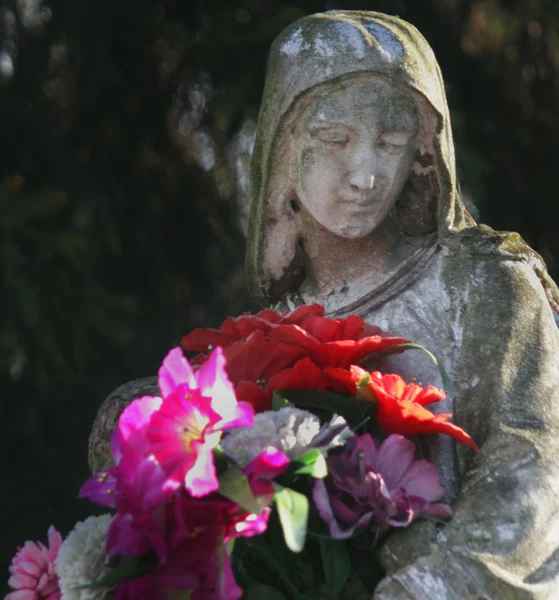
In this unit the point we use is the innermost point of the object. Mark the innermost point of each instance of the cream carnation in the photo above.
(82, 559)
(290, 430)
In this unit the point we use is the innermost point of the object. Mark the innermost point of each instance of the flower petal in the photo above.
(201, 478)
(422, 480)
(268, 465)
(213, 382)
(321, 500)
(394, 458)
(175, 371)
(304, 375)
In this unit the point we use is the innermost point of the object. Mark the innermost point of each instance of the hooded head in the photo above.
(310, 62)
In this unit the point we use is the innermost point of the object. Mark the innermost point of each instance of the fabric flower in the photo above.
(161, 445)
(268, 465)
(137, 487)
(82, 559)
(377, 488)
(197, 407)
(33, 576)
(400, 407)
(234, 329)
(251, 363)
(268, 351)
(197, 562)
(289, 430)
(335, 342)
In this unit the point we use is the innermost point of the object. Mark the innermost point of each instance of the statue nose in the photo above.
(362, 175)
(362, 181)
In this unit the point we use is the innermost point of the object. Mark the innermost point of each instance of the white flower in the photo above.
(289, 430)
(82, 559)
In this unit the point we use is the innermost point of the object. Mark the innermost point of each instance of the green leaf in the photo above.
(447, 382)
(234, 484)
(278, 401)
(258, 591)
(293, 511)
(308, 458)
(312, 463)
(349, 407)
(278, 559)
(127, 569)
(335, 562)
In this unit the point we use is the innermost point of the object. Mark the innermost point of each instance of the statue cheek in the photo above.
(395, 173)
(317, 167)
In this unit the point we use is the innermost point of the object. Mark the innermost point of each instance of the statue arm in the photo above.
(504, 539)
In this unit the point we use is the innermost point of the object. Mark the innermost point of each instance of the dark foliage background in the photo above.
(125, 136)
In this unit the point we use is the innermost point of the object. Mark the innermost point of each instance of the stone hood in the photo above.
(319, 49)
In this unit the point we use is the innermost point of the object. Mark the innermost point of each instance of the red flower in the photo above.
(234, 329)
(268, 351)
(335, 343)
(399, 406)
(252, 362)
(304, 375)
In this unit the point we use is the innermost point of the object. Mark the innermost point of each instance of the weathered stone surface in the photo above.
(356, 206)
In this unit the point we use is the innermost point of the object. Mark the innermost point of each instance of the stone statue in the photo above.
(356, 206)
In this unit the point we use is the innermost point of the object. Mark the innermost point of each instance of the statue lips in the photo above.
(360, 203)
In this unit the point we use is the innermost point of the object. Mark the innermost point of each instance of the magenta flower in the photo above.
(263, 469)
(136, 482)
(135, 486)
(197, 531)
(378, 488)
(197, 407)
(32, 570)
(202, 571)
(163, 451)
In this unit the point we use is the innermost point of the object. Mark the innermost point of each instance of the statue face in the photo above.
(355, 147)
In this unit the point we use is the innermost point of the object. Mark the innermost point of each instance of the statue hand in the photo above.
(440, 575)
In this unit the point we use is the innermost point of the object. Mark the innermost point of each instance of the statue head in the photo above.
(353, 128)
(351, 152)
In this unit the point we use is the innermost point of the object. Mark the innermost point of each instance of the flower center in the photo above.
(193, 428)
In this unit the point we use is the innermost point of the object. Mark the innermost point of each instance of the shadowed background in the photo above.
(126, 131)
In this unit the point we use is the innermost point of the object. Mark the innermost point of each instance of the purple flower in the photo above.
(378, 488)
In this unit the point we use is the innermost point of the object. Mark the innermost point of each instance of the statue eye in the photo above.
(394, 142)
(331, 136)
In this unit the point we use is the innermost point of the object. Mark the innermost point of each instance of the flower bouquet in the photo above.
(270, 466)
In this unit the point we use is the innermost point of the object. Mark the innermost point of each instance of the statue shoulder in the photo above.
(99, 455)
(501, 256)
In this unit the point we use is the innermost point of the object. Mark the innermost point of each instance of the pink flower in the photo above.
(135, 486)
(32, 570)
(163, 443)
(197, 407)
(261, 470)
(136, 481)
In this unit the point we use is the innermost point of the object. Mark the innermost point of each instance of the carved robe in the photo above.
(480, 300)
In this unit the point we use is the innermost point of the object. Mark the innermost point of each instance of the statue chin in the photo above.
(346, 222)
(355, 232)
